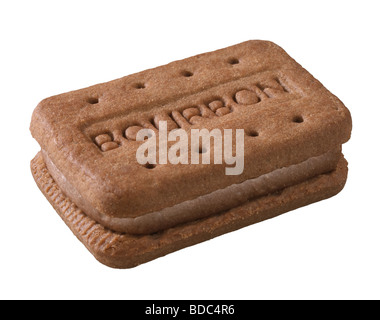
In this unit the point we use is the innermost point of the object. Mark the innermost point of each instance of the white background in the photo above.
(328, 250)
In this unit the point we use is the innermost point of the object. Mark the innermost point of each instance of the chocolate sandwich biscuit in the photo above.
(127, 213)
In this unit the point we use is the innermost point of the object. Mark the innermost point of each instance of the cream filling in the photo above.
(205, 205)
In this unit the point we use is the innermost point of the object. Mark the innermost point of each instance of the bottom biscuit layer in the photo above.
(119, 250)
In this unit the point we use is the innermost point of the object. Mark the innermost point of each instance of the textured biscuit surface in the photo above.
(90, 134)
(125, 251)
(87, 169)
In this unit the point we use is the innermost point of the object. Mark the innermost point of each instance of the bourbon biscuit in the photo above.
(294, 128)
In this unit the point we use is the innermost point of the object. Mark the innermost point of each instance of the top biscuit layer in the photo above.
(89, 134)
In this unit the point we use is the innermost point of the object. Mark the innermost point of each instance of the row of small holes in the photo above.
(141, 85)
(187, 73)
(253, 133)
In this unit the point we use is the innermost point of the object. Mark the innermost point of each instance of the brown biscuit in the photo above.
(294, 129)
(120, 250)
(266, 91)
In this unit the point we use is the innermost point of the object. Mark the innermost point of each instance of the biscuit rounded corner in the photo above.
(39, 124)
(344, 119)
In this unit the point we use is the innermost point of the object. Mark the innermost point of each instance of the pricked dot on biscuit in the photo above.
(191, 112)
(297, 119)
(201, 149)
(109, 146)
(93, 100)
(131, 132)
(139, 85)
(246, 97)
(222, 111)
(233, 61)
(215, 105)
(252, 133)
(102, 138)
(150, 165)
(186, 73)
